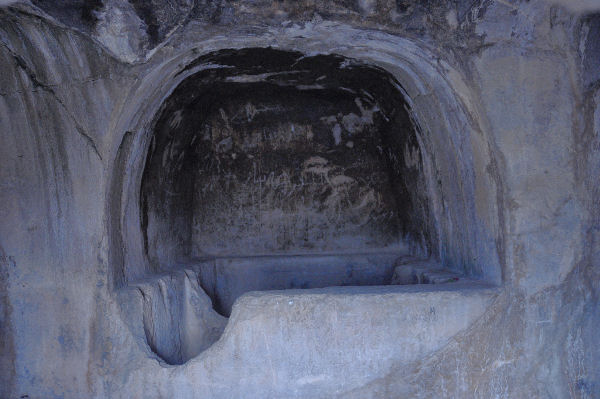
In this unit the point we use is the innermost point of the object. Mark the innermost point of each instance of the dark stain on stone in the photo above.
(144, 10)
(272, 151)
(591, 50)
(402, 6)
(7, 346)
(118, 276)
(248, 60)
(72, 12)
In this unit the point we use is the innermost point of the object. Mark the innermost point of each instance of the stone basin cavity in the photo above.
(182, 312)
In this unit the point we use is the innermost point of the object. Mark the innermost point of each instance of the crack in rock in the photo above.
(21, 63)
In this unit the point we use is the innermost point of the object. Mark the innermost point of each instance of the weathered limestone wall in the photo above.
(58, 94)
(522, 173)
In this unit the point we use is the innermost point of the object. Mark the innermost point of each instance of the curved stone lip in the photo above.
(464, 286)
(398, 250)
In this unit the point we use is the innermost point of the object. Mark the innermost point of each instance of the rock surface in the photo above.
(176, 314)
(422, 272)
(507, 96)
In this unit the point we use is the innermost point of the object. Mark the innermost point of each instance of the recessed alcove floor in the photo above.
(226, 278)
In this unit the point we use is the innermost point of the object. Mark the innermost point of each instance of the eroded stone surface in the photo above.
(267, 152)
(412, 271)
(507, 95)
(176, 314)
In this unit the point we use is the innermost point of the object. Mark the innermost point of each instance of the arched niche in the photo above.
(462, 179)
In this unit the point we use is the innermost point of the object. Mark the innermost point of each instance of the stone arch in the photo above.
(462, 173)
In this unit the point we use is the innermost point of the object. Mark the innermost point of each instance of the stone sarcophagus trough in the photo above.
(376, 301)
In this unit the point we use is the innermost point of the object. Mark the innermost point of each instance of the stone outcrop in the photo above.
(506, 98)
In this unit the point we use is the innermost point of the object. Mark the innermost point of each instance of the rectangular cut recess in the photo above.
(227, 278)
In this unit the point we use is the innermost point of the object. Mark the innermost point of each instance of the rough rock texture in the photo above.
(428, 271)
(507, 97)
(177, 316)
(267, 152)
